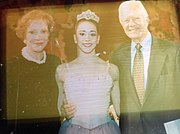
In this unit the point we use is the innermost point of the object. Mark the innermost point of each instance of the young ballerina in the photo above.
(88, 82)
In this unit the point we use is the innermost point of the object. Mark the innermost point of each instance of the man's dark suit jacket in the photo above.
(162, 95)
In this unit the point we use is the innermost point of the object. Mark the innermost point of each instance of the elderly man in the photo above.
(149, 73)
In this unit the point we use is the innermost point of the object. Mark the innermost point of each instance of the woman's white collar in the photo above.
(30, 58)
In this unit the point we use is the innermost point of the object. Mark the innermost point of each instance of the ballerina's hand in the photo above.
(68, 109)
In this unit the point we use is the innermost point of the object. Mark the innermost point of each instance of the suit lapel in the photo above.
(126, 73)
(157, 60)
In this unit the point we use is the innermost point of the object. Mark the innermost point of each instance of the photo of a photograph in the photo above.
(90, 67)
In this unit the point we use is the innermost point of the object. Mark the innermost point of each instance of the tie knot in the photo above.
(138, 46)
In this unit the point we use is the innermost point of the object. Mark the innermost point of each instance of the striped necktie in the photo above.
(138, 73)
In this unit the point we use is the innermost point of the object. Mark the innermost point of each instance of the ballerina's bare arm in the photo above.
(59, 80)
(115, 92)
(66, 109)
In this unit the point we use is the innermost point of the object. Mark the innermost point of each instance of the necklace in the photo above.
(30, 58)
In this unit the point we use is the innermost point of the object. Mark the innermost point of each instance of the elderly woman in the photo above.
(31, 87)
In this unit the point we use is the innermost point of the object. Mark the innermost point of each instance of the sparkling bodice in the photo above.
(89, 89)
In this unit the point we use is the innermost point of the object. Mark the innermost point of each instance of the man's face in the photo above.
(134, 23)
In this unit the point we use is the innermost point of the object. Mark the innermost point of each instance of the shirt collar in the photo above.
(30, 58)
(146, 43)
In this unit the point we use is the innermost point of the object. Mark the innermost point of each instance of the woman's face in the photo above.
(86, 36)
(37, 36)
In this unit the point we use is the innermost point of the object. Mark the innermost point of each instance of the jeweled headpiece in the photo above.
(88, 15)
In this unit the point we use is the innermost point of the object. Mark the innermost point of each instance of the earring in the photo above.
(24, 41)
(75, 40)
(51, 29)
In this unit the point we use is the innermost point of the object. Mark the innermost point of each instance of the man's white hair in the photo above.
(132, 4)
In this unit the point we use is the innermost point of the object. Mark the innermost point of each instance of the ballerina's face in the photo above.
(86, 36)
(37, 36)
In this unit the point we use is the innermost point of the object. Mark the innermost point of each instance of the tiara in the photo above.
(88, 15)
